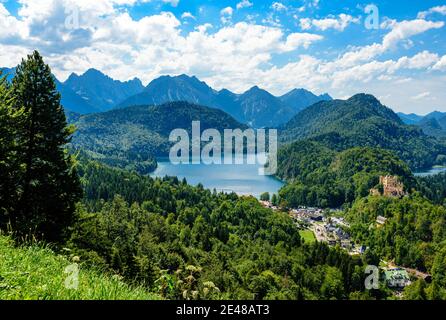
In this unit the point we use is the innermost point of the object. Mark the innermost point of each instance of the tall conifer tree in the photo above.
(9, 168)
(49, 186)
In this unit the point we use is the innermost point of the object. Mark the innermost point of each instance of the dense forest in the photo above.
(180, 241)
(318, 176)
(132, 137)
(164, 238)
(414, 235)
(363, 121)
(185, 242)
(433, 187)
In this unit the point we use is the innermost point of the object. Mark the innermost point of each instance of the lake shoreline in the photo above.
(243, 179)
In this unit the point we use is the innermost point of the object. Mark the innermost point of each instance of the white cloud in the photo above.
(272, 20)
(188, 15)
(226, 15)
(441, 64)
(422, 60)
(227, 11)
(236, 56)
(244, 4)
(152, 46)
(400, 31)
(10, 27)
(279, 6)
(338, 23)
(296, 40)
(406, 29)
(422, 95)
(439, 9)
(305, 23)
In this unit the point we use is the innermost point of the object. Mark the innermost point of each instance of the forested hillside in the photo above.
(318, 176)
(138, 237)
(162, 231)
(363, 121)
(132, 137)
(413, 236)
(433, 187)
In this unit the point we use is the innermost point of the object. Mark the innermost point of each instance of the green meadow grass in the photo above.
(307, 235)
(37, 273)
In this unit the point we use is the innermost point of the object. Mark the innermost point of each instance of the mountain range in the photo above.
(94, 92)
(256, 107)
(136, 134)
(433, 124)
(91, 92)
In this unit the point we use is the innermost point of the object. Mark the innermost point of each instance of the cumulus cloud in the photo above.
(235, 56)
(338, 23)
(296, 40)
(123, 47)
(226, 15)
(422, 60)
(399, 31)
(188, 15)
(244, 4)
(279, 6)
(439, 9)
(441, 64)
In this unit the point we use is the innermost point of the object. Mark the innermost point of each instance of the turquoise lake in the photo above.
(433, 171)
(243, 179)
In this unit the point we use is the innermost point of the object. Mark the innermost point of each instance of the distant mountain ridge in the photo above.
(432, 124)
(102, 91)
(299, 99)
(256, 107)
(93, 92)
(69, 99)
(411, 118)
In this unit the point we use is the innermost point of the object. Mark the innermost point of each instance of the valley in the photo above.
(97, 185)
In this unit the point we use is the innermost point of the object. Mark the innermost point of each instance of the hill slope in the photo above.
(363, 121)
(433, 126)
(37, 273)
(322, 177)
(131, 137)
(411, 118)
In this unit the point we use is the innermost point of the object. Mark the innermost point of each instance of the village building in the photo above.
(396, 278)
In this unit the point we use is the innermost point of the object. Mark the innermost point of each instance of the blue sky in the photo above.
(323, 45)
